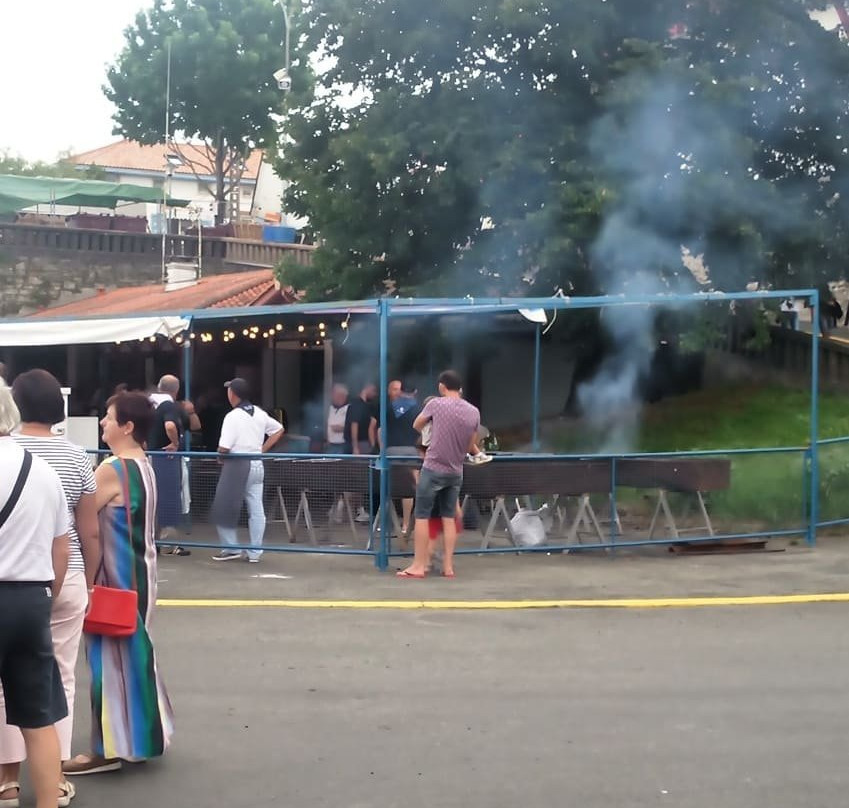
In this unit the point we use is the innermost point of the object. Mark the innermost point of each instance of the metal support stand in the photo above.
(304, 510)
(669, 517)
(375, 526)
(284, 514)
(585, 519)
(499, 511)
(585, 515)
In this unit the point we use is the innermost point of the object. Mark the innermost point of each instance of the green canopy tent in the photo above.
(17, 193)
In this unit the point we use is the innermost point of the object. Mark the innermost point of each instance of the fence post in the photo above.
(535, 404)
(815, 386)
(806, 487)
(381, 558)
(612, 503)
(187, 384)
(186, 467)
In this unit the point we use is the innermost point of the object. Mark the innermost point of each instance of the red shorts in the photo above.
(434, 525)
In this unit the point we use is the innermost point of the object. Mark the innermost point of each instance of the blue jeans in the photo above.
(228, 536)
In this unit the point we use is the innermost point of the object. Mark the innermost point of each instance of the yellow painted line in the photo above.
(616, 603)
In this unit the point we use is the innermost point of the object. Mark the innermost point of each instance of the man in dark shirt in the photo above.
(400, 437)
(166, 435)
(361, 433)
(361, 422)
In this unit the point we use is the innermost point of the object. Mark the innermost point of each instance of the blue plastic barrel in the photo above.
(278, 234)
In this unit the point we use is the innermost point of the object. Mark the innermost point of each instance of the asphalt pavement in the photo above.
(732, 707)
(419, 708)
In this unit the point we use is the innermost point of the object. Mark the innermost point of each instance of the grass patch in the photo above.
(767, 490)
(739, 418)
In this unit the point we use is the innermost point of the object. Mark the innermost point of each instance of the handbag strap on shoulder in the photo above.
(17, 488)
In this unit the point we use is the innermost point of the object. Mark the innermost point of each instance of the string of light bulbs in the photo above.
(306, 334)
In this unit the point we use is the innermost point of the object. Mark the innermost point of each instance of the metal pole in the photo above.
(535, 404)
(286, 18)
(166, 190)
(185, 465)
(285, 11)
(382, 556)
(613, 511)
(200, 246)
(815, 388)
(187, 385)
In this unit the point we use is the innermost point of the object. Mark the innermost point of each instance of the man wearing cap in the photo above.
(247, 430)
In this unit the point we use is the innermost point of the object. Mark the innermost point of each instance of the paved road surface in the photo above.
(700, 708)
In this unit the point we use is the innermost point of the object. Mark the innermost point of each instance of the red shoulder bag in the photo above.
(114, 612)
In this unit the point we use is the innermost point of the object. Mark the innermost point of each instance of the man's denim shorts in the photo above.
(437, 494)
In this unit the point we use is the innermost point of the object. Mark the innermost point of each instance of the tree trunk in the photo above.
(220, 198)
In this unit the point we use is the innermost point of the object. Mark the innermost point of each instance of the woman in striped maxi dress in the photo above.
(131, 714)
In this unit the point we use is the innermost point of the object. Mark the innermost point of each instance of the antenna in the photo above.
(168, 95)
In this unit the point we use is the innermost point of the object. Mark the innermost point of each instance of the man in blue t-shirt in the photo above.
(400, 437)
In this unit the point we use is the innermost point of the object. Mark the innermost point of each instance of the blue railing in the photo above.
(330, 504)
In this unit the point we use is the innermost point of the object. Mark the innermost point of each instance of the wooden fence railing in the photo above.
(240, 252)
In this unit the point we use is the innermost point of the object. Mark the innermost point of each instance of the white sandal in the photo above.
(10, 802)
(68, 793)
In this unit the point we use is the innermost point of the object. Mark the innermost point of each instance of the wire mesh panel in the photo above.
(309, 502)
(834, 482)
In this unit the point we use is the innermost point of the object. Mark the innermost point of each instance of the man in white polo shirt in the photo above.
(247, 430)
(34, 551)
(336, 415)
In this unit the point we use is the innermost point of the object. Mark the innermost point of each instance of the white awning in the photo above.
(89, 332)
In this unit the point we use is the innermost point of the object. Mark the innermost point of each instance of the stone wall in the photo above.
(43, 266)
(29, 282)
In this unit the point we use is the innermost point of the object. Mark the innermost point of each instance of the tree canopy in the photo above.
(61, 167)
(223, 55)
(503, 147)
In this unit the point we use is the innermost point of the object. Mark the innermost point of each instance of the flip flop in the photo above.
(10, 802)
(405, 574)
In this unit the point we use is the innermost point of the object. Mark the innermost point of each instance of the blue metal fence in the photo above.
(375, 539)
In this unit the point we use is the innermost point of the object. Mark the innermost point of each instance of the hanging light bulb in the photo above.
(300, 329)
(344, 324)
(279, 327)
(321, 326)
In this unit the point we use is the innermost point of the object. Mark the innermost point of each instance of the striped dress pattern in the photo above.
(131, 714)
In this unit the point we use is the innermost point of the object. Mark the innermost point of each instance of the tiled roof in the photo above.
(129, 154)
(255, 288)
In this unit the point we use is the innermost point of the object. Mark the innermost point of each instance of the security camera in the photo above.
(283, 79)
